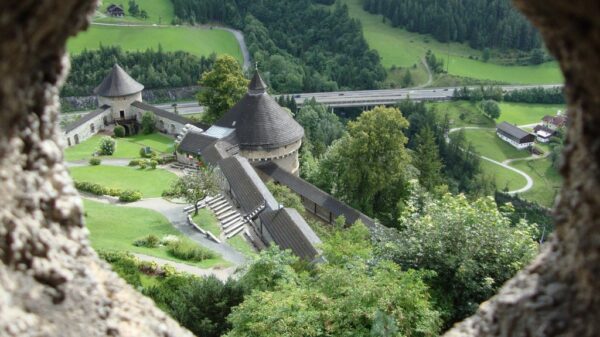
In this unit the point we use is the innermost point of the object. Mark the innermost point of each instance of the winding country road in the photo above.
(239, 36)
(504, 164)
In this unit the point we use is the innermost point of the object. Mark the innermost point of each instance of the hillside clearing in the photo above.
(197, 41)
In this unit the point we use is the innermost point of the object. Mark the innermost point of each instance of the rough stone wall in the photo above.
(559, 293)
(51, 281)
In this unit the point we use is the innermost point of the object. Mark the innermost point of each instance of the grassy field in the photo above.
(128, 147)
(404, 49)
(547, 180)
(117, 227)
(193, 40)
(462, 113)
(159, 12)
(489, 145)
(207, 220)
(521, 113)
(504, 178)
(150, 182)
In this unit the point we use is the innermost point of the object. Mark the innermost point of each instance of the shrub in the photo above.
(150, 241)
(189, 251)
(135, 162)
(148, 123)
(90, 187)
(152, 164)
(130, 196)
(113, 192)
(146, 152)
(125, 265)
(95, 161)
(119, 131)
(143, 164)
(169, 239)
(107, 146)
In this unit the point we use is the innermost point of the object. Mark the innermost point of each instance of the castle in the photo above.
(254, 142)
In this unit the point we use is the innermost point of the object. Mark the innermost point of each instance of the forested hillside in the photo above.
(155, 69)
(481, 23)
(301, 46)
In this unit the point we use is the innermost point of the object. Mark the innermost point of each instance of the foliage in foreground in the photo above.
(349, 296)
(471, 246)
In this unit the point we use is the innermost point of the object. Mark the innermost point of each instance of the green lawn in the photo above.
(159, 12)
(193, 40)
(489, 145)
(117, 227)
(504, 178)
(462, 113)
(150, 182)
(207, 220)
(404, 49)
(128, 147)
(547, 180)
(521, 113)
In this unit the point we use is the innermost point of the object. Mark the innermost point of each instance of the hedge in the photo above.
(97, 189)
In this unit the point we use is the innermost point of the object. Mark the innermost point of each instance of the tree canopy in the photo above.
(222, 87)
(471, 245)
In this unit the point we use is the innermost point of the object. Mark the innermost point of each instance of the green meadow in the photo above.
(159, 12)
(489, 145)
(115, 228)
(547, 180)
(524, 114)
(126, 148)
(151, 182)
(197, 41)
(504, 178)
(401, 48)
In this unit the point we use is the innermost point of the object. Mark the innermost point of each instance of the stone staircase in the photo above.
(230, 219)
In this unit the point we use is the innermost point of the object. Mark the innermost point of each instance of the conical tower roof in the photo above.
(259, 122)
(257, 86)
(118, 83)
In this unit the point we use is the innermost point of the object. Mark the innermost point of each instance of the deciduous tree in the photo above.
(222, 87)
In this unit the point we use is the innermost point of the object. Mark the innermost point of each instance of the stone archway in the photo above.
(51, 282)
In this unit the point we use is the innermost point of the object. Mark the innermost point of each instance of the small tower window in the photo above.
(92, 128)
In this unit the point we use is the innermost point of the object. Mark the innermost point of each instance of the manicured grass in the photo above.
(117, 227)
(547, 180)
(504, 178)
(159, 12)
(462, 113)
(207, 220)
(489, 145)
(128, 147)
(150, 182)
(522, 114)
(404, 49)
(193, 40)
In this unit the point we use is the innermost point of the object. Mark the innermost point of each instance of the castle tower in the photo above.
(119, 91)
(264, 130)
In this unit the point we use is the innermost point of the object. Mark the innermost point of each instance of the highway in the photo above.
(362, 98)
(367, 98)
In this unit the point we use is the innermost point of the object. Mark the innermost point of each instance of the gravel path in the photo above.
(504, 164)
(221, 274)
(174, 213)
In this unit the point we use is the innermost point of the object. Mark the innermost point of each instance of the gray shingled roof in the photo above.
(219, 150)
(194, 142)
(162, 113)
(314, 194)
(118, 83)
(248, 188)
(257, 86)
(86, 118)
(290, 231)
(513, 131)
(260, 122)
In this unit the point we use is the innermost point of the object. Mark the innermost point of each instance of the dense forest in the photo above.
(304, 48)
(481, 23)
(156, 69)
